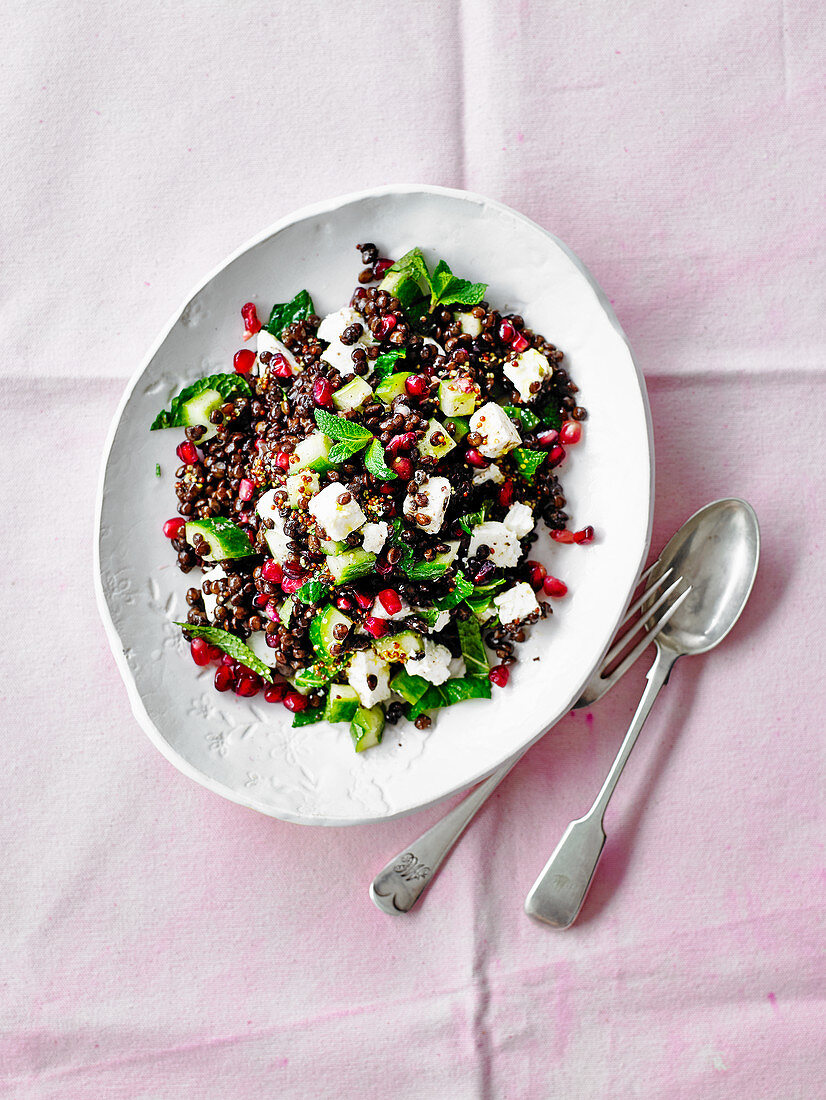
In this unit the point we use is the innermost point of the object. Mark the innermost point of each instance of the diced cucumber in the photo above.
(411, 688)
(322, 630)
(458, 427)
(333, 547)
(197, 409)
(301, 486)
(392, 386)
(447, 557)
(401, 285)
(367, 727)
(436, 450)
(353, 395)
(313, 453)
(286, 609)
(350, 565)
(342, 703)
(224, 538)
(398, 648)
(457, 396)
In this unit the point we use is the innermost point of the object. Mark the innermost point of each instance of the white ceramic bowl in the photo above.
(246, 750)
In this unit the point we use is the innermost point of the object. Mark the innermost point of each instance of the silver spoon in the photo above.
(716, 551)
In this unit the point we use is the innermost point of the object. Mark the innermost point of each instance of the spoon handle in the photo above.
(558, 894)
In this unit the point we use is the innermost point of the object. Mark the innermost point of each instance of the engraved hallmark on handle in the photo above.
(411, 869)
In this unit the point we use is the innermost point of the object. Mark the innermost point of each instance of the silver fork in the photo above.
(400, 884)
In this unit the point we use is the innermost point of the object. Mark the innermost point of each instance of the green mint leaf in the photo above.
(462, 588)
(411, 688)
(528, 462)
(527, 418)
(386, 362)
(341, 452)
(432, 699)
(309, 716)
(231, 645)
(550, 417)
(466, 687)
(440, 280)
(462, 292)
(311, 592)
(283, 315)
(412, 263)
(226, 384)
(336, 427)
(375, 462)
(157, 469)
(469, 521)
(398, 537)
(473, 649)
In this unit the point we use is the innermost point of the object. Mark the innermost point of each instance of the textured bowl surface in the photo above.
(246, 750)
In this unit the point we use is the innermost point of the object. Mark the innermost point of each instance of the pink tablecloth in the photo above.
(160, 942)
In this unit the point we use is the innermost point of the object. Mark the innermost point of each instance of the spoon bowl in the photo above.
(716, 552)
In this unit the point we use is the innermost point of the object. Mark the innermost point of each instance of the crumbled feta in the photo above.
(442, 619)
(276, 538)
(516, 604)
(216, 574)
(519, 520)
(338, 520)
(374, 536)
(365, 664)
(301, 486)
(268, 342)
(340, 355)
(503, 544)
(437, 490)
(471, 326)
(378, 611)
(433, 665)
(498, 432)
(527, 369)
(258, 644)
(492, 473)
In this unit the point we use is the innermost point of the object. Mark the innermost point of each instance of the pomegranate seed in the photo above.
(570, 432)
(200, 651)
(476, 458)
(536, 574)
(251, 322)
(223, 678)
(585, 535)
(215, 654)
(228, 661)
(485, 570)
(401, 442)
(376, 628)
(555, 456)
(390, 601)
(322, 391)
(248, 686)
(364, 602)
(261, 600)
(548, 438)
(282, 459)
(562, 536)
(552, 586)
(343, 604)
(383, 567)
(295, 701)
(403, 467)
(506, 493)
(174, 527)
(271, 640)
(246, 488)
(386, 326)
(280, 366)
(380, 266)
(274, 693)
(416, 385)
(187, 453)
(506, 332)
(292, 584)
(519, 343)
(272, 571)
(243, 361)
(271, 611)
(499, 675)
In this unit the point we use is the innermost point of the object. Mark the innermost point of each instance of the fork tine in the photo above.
(645, 641)
(622, 642)
(637, 604)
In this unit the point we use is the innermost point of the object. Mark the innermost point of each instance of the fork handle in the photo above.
(558, 894)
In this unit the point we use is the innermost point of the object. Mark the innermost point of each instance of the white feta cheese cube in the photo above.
(216, 574)
(503, 544)
(276, 538)
(301, 486)
(364, 666)
(519, 520)
(434, 344)
(471, 326)
(516, 604)
(442, 619)
(433, 665)
(257, 642)
(338, 355)
(498, 432)
(525, 370)
(267, 342)
(374, 536)
(492, 473)
(437, 490)
(338, 520)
